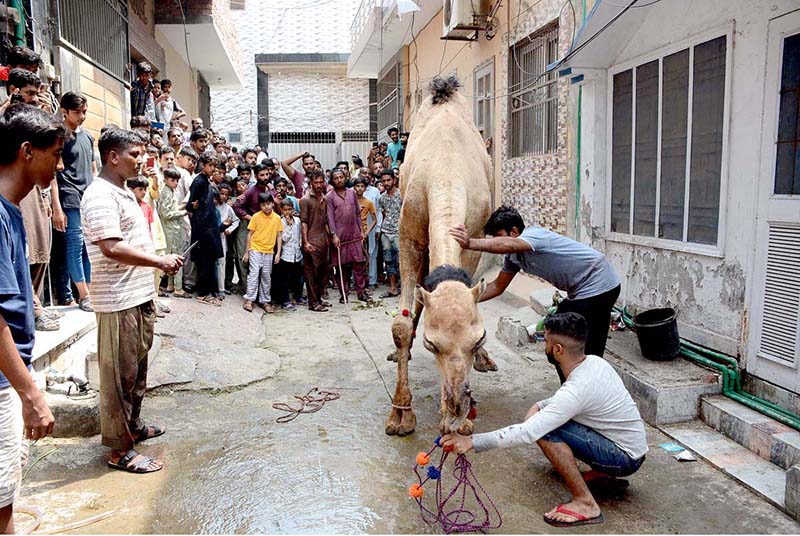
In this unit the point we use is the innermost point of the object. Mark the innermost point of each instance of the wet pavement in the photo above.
(230, 468)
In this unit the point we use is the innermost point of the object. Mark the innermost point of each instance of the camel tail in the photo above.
(443, 89)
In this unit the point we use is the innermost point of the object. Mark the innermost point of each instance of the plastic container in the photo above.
(657, 331)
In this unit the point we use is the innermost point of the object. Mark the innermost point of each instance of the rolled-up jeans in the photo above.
(372, 251)
(76, 260)
(595, 449)
(391, 253)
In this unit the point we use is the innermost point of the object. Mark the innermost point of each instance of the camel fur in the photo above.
(444, 181)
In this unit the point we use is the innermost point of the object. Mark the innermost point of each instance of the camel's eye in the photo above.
(430, 346)
(480, 343)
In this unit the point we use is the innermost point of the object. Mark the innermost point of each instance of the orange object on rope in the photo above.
(416, 491)
(423, 458)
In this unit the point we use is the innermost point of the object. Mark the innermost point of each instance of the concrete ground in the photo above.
(230, 468)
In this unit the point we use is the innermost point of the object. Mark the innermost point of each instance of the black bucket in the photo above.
(657, 331)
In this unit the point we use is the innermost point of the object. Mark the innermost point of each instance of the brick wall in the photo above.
(266, 26)
(537, 185)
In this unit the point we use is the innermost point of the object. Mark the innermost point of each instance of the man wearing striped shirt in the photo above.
(123, 259)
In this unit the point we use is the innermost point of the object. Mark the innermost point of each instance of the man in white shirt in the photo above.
(592, 417)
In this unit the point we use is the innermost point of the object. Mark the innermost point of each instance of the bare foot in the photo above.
(590, 510)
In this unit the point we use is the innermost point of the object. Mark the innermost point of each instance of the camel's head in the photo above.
(453, 333)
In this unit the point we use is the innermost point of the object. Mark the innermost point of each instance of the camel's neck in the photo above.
(447, 206)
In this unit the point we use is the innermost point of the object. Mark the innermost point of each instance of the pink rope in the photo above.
(458, 518)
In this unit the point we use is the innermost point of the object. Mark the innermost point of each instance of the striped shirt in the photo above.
(108, 211)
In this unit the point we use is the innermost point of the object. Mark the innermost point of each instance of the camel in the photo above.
(444, 181)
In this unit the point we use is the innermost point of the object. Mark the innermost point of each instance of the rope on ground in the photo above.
(353, 328)
(311, 402)
(78, 524)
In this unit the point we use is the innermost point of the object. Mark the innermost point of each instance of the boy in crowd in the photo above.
(30, 148)
(394, 148)
(138, 185)
(79, 169)
(263, 249)
(288, 275)
(244, 171)
(390, 205)
(368, 213)
(167, 108)
(141, 89)
(230, 223)
(292, 196)
(171, 219)
(187, 161)
(314, 222)
(205, 231)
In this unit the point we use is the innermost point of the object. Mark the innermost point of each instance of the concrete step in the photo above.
(762, 477)
(765, 437)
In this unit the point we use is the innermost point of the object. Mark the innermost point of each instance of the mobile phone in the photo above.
(374, 143)
(15, 98)
(151, 161)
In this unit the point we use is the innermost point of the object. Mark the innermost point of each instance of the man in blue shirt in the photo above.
(581, 271)
(30, 149)
(393, 148)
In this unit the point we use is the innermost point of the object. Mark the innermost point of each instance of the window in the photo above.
(106, 44)
(484, 99)
(534, 98)
(666, 145)
(235, 137)
(787, 170)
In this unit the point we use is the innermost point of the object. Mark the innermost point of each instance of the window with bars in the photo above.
(666, 145)
(533, 96)
(484, 99)
(787, 169)
(107, 41)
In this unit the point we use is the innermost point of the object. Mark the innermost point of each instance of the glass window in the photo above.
(787, 170)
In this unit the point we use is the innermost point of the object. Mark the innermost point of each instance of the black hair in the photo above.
(234, 149)
(152, 148)
(139, 121)
(144, 67)
(23, 56)
(341, 163)
(336, 170)
(315, 173)
(287, 203)
(154, 131)
(221, 164)
(106, 127)
(117, 140)
(188, 151)
(198, 134)
(176, 130)
(358, 162)
(393, 129)
(265, 197)
(207, 158)
(258, 168)
(243, 168)
(224, 186)
(248, 150)
(504, 218)
(166, 149)
(172, 173)
(136, 182)
(268, 163)
(570, 325)
(388, 172)
(445, 272)
(23, 122)
(360, 180)
(72, 101)
(165, 82)
(311, 156)
(281, 181)
(20, 78)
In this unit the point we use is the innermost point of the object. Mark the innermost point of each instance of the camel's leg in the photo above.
(402, 420)
(483, 363)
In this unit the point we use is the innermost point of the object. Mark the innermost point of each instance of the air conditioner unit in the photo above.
(457, 18)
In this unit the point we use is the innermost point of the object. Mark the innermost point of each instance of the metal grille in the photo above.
(787, 169)
(323, 145)
(781, 325)
(302, 137)
(99, 29)
(356, 136)
(389, 101)
(534, 98)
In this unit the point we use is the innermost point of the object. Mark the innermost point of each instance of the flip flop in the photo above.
(140, 467)
(580, 519)
(142, 435)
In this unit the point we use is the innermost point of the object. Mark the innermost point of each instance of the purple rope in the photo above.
(458, 518)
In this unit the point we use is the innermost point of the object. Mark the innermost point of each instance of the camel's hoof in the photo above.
(484, 363)
(401, 422)
(393, 356)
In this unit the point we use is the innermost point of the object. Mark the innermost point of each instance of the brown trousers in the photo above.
(123, 340)
(315, 271)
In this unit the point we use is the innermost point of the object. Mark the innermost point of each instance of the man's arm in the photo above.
(498, 286)
(35, 414)
(498, 244)
(246, 256)
(118, 250)
(278, 246)
(59, 217)
(286, 165)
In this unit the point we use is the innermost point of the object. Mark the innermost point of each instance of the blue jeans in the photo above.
(596, 450)
(76, 261)
(391, 253)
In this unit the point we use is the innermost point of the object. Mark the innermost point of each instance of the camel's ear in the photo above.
(421, 295)
(477, 290)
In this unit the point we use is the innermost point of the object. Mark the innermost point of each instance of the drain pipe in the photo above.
(728, 367)
(53, 376)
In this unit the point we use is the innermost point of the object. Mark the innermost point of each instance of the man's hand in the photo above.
(308, 248)
(460, 234)
(533, 411)
(36, 415)
(277, 259)
(460, 444)
(246, 258)
(149, 173)
(59, 220)
(336, 242)
(170, 264)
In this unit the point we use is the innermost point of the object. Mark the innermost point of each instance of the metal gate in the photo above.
(327, 147)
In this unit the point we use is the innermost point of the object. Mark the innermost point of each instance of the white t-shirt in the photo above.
(593, 396)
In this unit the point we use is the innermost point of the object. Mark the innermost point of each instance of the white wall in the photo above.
(711, 294)
(278, 26)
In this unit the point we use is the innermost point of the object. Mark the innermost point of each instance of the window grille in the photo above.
(99, 29)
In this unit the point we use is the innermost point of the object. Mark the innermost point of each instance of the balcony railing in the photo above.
(360, 20)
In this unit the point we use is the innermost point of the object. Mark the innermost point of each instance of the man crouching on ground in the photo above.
(121, 253)
(592, 417)
(30, 149)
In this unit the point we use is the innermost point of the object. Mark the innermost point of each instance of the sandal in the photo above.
(148, 432)
(46, 323)
(580, 519)
(268, 307)
(325, 304)
(248, 306)
(318, 308)
(86, 305)
(126, 463)
(389, 294)
(208, 300)
(181, 294)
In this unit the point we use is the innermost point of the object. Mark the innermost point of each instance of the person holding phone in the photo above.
(79, 169)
